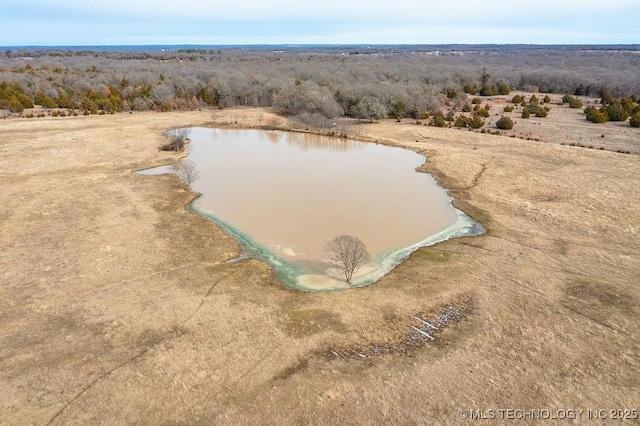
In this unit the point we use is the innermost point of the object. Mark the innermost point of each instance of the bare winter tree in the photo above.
(186, 170)
(371, 109)
(177, 139)
(347, 254)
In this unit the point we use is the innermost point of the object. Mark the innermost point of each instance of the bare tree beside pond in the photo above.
(186, 170)
(177, 139)
(347, 254)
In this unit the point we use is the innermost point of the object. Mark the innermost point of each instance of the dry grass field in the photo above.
(117, 305)
(563, 125)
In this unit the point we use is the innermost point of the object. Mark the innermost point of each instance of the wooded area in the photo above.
(311, 83)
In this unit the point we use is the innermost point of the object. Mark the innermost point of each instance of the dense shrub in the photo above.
(483, 112)
(13, 97)
(43, 100)
(504, 89)
(616, 112)
(504, 123)
(508, 108)
(461, 121)
(526, 113)
(472, 90)
(517, 99)
(629, 105)
(572, 101)
(438, 120)
(64, 101)
(575, 103)
(542, 112)
(451, 93)
(475, 122)
(537, 110)
(635, 120)
(594, 115)
(606, 98)
(488, 89)
(397, 110)
(599, 117)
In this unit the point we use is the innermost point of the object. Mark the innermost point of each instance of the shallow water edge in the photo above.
(287, 272)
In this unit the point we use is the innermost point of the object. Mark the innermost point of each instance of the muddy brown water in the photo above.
(285, 195)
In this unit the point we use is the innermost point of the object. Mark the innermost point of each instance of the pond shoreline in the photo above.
(285, 269)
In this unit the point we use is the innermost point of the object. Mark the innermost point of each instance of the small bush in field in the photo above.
(462, 121)
(438, 120)
(482, 112)
(541, 112)
(472, 90)
(504, 89)
(475, 122)
(572, 101)
(504, 123)
(616, 111)
(594, 115)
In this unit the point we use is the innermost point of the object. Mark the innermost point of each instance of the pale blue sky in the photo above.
(114, 22)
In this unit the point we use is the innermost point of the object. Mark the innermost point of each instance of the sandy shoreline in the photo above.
(117, 304)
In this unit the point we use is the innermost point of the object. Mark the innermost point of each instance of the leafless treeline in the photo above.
(352, 81)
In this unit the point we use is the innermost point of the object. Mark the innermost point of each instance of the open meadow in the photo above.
(118, 306)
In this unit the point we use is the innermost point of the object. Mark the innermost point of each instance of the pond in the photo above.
(285, 195)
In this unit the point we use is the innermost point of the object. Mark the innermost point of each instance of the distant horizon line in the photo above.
(293, 45)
